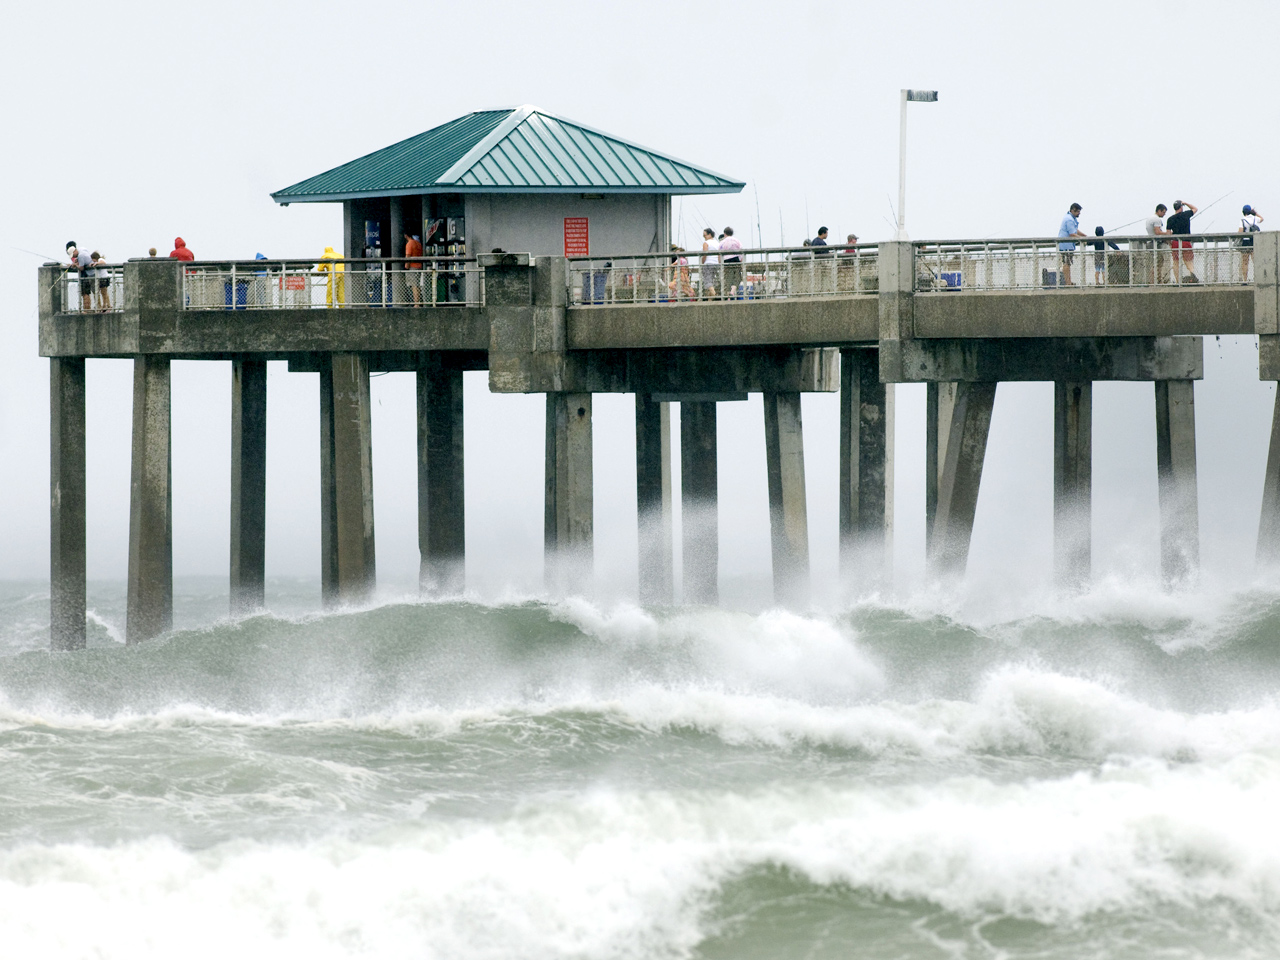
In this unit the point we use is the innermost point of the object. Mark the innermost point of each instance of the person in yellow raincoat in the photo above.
(335, 290)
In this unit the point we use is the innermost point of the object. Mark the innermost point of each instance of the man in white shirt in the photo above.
(1250, 223)
(1155, 228)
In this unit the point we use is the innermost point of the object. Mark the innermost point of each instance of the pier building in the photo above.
(961, 316)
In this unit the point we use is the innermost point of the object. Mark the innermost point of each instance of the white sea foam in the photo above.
(612, 875)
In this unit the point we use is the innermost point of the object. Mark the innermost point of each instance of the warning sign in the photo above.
(576, 242)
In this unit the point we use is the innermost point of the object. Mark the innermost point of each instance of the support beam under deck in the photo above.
(248, 485)
(149, 610)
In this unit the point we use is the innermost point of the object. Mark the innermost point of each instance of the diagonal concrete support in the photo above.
(940, 405)
(66, 503)
(960, 473)
(866, 468)
(1072, 481)
(568, 523)
(150, 604)
(248, 485)
(1269, 522)
(348, 571)
(699, 493)
(788, 507)
(653, 499)
(442, 527)
(1176, 476)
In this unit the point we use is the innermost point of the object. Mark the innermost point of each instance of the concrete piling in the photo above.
(699, 492)
(248, 485)
(348, 571)
(67, 503)
(442, 528)
(653, 499)
(959, 471)
(866, 468)
(1269, 523)
(1176, 478)
(1072, 481)
(569, 518)
(788, 509)
(149, 611)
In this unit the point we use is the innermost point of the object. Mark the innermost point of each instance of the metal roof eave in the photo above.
(675, 191)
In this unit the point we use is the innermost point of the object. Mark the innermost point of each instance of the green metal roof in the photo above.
(508, 151)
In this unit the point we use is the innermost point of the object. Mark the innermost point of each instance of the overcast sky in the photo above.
(131, 123)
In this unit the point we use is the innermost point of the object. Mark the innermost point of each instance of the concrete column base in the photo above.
(442, 526)
(1176, 476)
(568, 521)
(653, 500)
(1072, 482)
(788, 506)
(248, 485)
(67, 503)
(150, 603)
(699, 494)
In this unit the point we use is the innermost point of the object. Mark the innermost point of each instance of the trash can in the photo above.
(235, 295)
(593, 286)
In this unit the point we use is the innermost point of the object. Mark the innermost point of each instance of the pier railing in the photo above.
(332, 284)
(1038, 263)
(765, 273)
(101, 290)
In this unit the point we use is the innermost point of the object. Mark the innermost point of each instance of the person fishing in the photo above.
(82, 263)
(1250, 223)
(1179, 224)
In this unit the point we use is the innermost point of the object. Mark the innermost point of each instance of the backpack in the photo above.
(1250, 227)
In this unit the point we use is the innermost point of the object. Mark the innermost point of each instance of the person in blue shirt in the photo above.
(1066, 251)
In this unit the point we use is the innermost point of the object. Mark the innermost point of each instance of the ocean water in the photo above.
(1095, 776)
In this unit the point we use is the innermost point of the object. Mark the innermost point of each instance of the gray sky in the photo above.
(132, 123)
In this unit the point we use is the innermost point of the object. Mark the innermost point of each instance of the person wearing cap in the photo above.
(82, 264)
(1179, 224)
(1250, 223)
(1070, 227)
(847, 273)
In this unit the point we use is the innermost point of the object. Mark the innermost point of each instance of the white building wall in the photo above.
(534, 223)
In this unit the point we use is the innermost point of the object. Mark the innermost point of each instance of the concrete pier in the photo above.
(1176, 476)
(1072, 482)
(788, 508)
(866, 468)
(248, 485)
(699, 494)
(966, 416)
(442, 527)
(653, 500)
(149, 610)
(67, 503)
(348, 572)
(1269, 523)
(569, 518)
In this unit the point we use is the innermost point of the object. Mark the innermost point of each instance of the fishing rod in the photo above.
(1219, 200)
(35, 253)
(759, 232)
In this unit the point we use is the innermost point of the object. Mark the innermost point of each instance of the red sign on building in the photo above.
(576, 242)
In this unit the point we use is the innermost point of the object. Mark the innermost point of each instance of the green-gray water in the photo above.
(1098, 777)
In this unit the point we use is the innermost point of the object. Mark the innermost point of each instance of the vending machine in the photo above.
(373, 291)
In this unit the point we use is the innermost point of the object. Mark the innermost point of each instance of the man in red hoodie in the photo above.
(180, 251)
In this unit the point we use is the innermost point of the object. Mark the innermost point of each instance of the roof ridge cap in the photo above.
(495, 136)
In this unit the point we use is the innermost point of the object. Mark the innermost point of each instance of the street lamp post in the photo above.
(919, 96)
